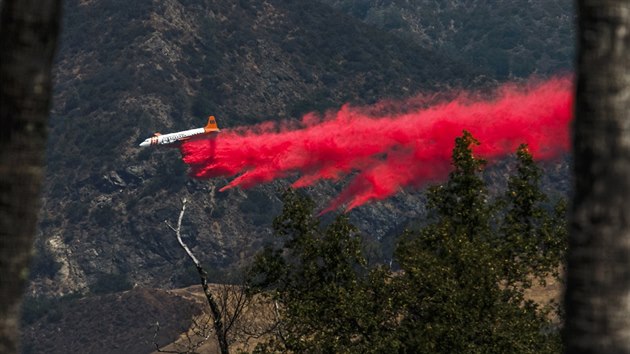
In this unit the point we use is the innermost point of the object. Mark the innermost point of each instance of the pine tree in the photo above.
(327, 298)
(461, 283)
(453, 286)
(463, 199)
(532, 238)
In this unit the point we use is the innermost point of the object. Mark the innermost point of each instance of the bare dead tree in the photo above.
(28, 39)
(597, 298)
(215, 310)
(235, 314)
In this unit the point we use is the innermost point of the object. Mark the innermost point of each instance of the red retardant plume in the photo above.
(386, 152)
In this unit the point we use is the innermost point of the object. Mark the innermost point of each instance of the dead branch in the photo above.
(200, 334)
(235, 314)
(203, 276)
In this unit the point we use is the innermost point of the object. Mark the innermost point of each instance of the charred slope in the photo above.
(503, 38)
(128, 69)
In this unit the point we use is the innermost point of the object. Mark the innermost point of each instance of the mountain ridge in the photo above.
(126, 70)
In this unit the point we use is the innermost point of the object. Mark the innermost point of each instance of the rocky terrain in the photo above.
(128, 69)
(124, 70)
(506, 39)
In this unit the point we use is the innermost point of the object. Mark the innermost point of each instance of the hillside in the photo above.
(506, 39)
(114, 323)
(125, 70)
(126, 322)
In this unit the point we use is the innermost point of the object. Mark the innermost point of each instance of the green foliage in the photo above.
(464, 275)
(327, 296)
(533, 238)
(464, 197)
(462, 279)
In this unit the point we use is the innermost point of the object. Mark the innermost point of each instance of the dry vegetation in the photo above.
(256, 321)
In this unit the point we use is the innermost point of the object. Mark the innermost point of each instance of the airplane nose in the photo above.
(145, 143)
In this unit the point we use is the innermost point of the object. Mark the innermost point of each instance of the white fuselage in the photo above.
(167, 139)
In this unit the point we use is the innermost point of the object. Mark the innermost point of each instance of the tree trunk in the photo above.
(597, 299)
(217, 313)
(28, 37)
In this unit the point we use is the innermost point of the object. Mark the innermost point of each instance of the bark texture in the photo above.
(28, 37)
(597, 298)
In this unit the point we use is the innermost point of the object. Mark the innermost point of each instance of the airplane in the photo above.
(168, 139)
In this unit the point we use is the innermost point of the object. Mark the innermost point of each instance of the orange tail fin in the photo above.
(211, 126)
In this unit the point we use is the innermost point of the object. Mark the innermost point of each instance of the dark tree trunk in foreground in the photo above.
(28, 37)
(597, 299)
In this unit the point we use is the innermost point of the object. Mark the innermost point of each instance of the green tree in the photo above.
(328, 300)
(532, 238)
(463, 199)
(454, 284)
(462, 278)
